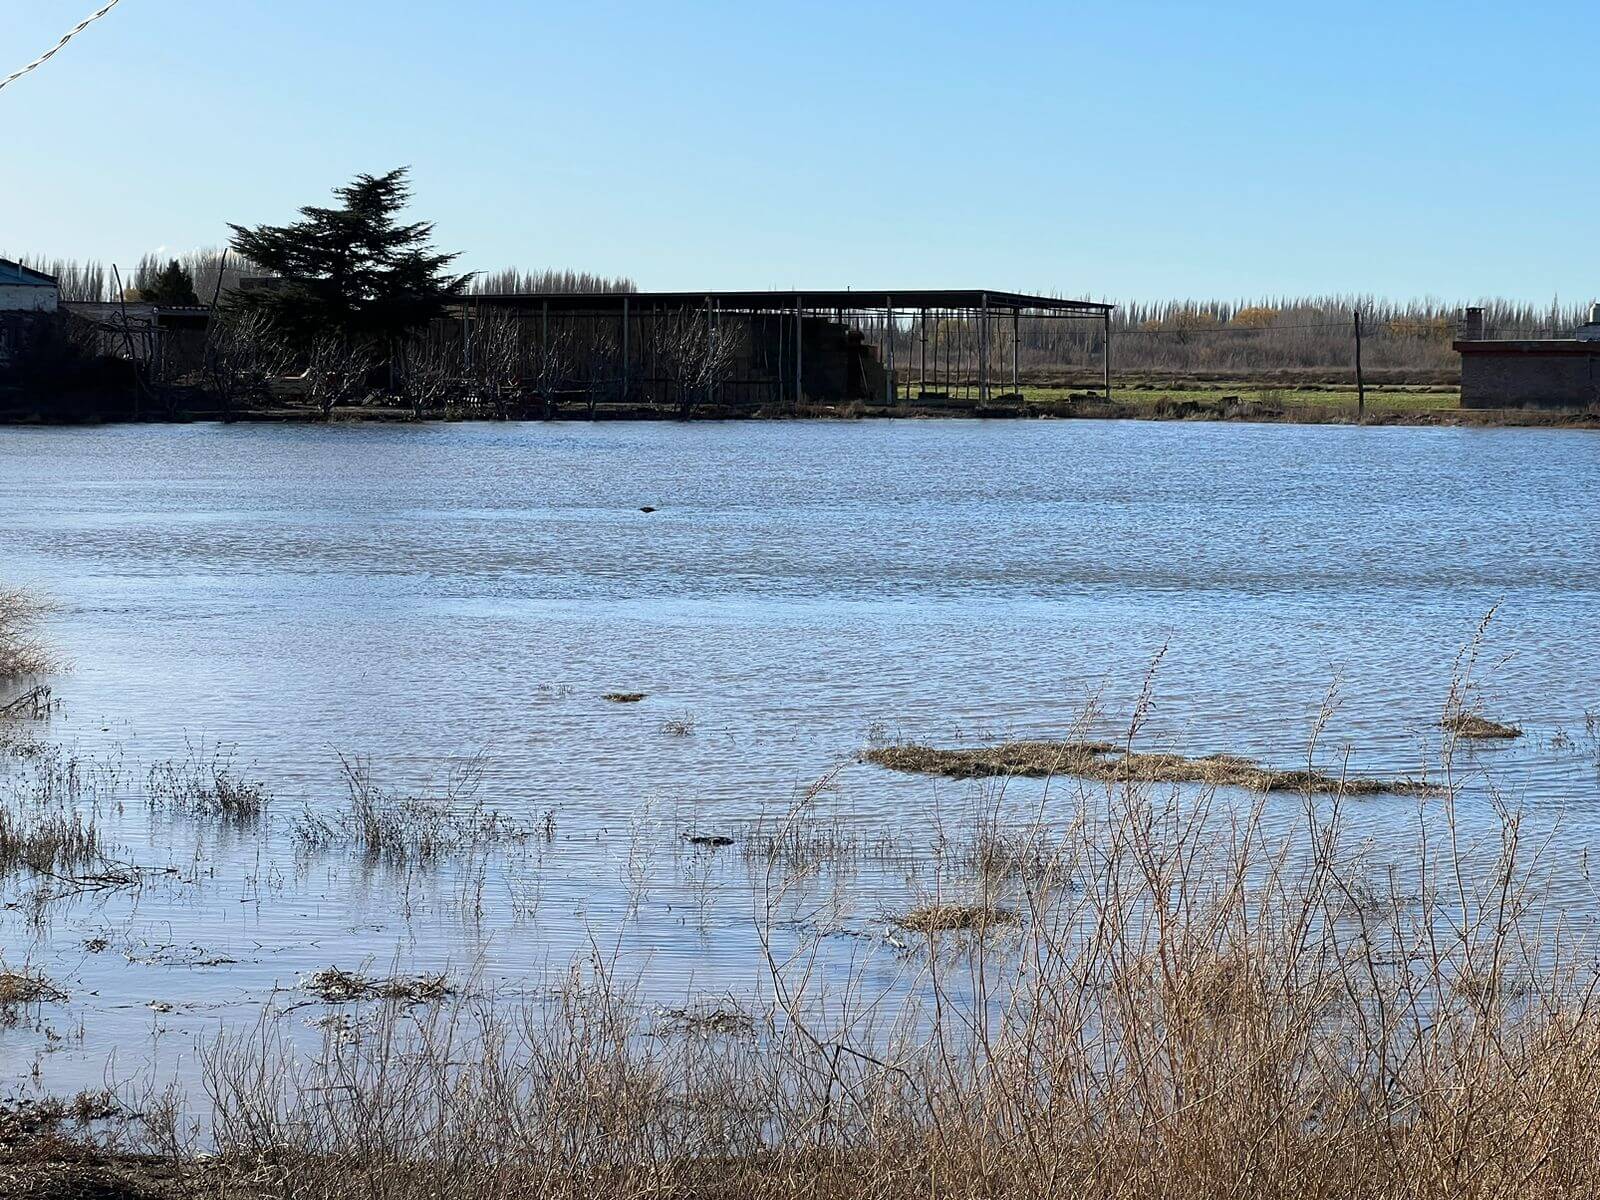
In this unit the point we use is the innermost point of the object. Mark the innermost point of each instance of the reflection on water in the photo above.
(369, 618)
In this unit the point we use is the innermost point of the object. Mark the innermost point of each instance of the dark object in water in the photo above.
(707, 839)
(646, 508)
(624, 697)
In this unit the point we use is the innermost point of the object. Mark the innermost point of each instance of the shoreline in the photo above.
(1190, 411)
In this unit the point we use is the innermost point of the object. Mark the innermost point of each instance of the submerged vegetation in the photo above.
(1107, 763)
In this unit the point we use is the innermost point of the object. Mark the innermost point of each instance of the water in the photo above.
(422, 596)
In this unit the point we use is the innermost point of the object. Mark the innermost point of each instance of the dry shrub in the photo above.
(23, 650)
(404, 830)
(203, 785)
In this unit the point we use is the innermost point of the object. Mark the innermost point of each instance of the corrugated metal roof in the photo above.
(16, 275)
(964, 299)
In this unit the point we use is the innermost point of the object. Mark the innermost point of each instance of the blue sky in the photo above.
(1130, 150)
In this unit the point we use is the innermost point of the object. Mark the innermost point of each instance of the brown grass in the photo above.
(1474, 726)
(1106, 763)
(46, 843)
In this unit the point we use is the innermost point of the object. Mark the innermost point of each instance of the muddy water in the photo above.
(424, 598)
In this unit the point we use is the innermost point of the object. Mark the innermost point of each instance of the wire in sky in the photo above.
(67, 37)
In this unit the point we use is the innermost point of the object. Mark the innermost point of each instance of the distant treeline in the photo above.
(1285, 333)
(1178, 336)
(91, 280)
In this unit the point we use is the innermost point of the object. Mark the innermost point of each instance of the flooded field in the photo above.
(398, 714)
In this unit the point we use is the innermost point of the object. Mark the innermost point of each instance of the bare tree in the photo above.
(694, 355)
(497, 362)
(549, 365)
(599, 366)
(336, 371)
(425, 374)
(243, 353)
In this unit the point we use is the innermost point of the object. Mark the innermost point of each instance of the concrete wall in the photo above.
(1521, 374)
(19, 298)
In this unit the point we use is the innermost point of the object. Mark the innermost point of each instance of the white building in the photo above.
(27, 297)
(22, 289)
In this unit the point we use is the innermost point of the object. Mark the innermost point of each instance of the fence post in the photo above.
(1361, 385)
(1105, 353)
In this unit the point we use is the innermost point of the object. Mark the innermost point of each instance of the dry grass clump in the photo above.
(46, 843)
(406, 830)
(206, 786)
(1106, 763)
(1475, 726)
(19, 988)
(937, 918)
(22, 648)
(624, 697)
(679, 726)
(337, 986)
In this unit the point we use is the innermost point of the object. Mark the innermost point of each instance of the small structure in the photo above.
(1529, 372)
(778, 350)
(27, 300)
(165, 340)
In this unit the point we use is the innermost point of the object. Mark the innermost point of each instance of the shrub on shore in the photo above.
(23, 650)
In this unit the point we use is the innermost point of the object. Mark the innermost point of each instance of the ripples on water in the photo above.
(424, 595)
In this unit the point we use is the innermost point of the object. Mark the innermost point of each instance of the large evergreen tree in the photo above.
(171, 285)
(354, 271)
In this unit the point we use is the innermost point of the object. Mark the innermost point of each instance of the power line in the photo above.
(65, 38)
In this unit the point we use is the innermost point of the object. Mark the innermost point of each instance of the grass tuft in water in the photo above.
(47, 843)
(333, 985)
(1477, 727)
(937, 918)
(409, 830)
(1106, 763)
(206, 786)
